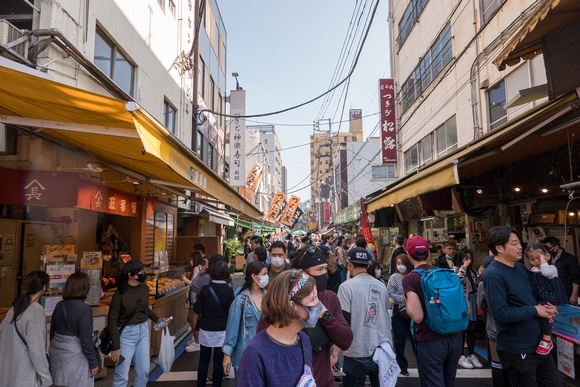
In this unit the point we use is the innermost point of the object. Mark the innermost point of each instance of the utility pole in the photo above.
(329, 139)
(331, 163)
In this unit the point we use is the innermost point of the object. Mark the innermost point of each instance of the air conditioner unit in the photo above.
(8, 34)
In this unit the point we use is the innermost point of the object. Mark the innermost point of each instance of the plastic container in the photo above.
(568, 320)
(162, 323)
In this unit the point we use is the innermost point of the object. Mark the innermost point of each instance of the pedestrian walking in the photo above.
(73, 361)
(398, 241)
(23, 360)
(196, 266)
(244, 315)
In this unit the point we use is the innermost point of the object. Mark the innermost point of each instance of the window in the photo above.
(201, 78)
(266, 141)
(199, 145)
(412, 158)
(446, 136)
(210, 94)
(161, 4)
(221, 110)
(113, 63)
(8, 140)
(432, 63)
(216, 43)
(210, 156)
(169, 116)
(381, 172)
(488, 8)
(160, 244)
(172, 7)
(496, 99)
(426, 150)
(410, 17)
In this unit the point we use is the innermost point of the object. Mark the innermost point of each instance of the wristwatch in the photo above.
(326, 316)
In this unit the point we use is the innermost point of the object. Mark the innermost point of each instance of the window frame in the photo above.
(389, 172)
(201, 78)
(9, 140)
(199, 144)
(172, 10)
(409, 18)
(448, 147)
(407, 154)
(115, 50)
(210, 153)
(167, 105)
(428, 138)
(503, 119)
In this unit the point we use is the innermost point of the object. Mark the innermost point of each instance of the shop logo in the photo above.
(33, 190)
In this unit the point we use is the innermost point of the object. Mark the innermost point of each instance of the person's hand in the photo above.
(466, 263)
(333, 359)
(227, 363)
(205, 269)
(574, 300)
(481, 270)
(94, 371)
(105, 281)
(114, 355)
(322, 310)
(548, 311)
(542, 259)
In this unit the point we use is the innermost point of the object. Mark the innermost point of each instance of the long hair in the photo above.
(123, 280)
(332, 265)
(254, 267)
(33, 283)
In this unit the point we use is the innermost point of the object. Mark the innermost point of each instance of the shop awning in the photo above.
(444, 173)
(219, 217)
(547, 16)
(114, 130)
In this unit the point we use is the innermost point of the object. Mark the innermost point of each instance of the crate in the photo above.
(568, 320)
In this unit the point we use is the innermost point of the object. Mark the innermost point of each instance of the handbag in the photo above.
(318, 337)
(106, 346)
(401, 312)
(26, 344)
(307, 378)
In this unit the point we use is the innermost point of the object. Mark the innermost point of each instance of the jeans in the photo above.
(134, 345)
(400, 330)
(530, 370)
(437, 361)
(357, 369)
(204, 359)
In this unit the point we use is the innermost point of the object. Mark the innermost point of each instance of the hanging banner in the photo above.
(366, 228)
(253, 178)
(237, 138)
(101, 198)
(38, 188)
(282, 208)
(276, 206)
(327, 212)
(290, 210)
(388, 121)
(296, 217)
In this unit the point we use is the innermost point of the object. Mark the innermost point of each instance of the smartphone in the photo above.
(121, 358)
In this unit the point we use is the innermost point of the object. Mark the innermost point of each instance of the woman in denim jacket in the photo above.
(245, 312)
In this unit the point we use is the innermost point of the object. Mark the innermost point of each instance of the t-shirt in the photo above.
(512, 304)
(367, 301)
(412, 283)
(266, 362)
(273, 274)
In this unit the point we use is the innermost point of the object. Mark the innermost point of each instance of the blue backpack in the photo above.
(444, 300)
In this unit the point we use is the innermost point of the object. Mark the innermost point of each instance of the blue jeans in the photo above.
(400, 330)
(357, 369)
(437, 361)
(218, 368)
(134, 345)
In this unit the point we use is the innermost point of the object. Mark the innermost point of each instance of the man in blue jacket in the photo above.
(514, 307)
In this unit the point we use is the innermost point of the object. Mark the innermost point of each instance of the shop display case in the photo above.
(162, 281)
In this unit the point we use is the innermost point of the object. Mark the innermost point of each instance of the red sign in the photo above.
(38, 188)
(101, 198)
(366, 227)
(327, 212)
(388, 121)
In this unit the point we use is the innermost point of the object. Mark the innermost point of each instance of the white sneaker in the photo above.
(463, 361)
(192, 348)
(192, 341)
(475, 361)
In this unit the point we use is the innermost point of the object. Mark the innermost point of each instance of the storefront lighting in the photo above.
(479, 191)
(571, 214)
(544, 190)
(517, 189)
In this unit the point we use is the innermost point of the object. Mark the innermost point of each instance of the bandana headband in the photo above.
(298, 285)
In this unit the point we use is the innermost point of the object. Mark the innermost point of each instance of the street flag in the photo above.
(254, 178)
(366, 227)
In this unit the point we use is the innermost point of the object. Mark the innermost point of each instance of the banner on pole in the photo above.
(366, 228)
(290, 210)
(276, 206)
(388, 121)
(253, 178)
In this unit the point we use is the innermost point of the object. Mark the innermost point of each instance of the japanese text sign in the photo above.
(237, 138)
(253, 178)
(39, 188)
(276, 206)
(101, 198)
(290, 210)
(388, 121)
(296, 217)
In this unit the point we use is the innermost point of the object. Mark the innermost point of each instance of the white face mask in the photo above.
(402, 269)
(263, 282)
(378, 275)
(277, 261)
(107, 258)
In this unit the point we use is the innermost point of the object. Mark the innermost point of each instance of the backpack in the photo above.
(445, 302)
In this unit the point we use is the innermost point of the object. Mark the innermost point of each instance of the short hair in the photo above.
(305, 239)
(214, 260)
(106, 250)
(499, 236)
(278, 245)
(199, 247)
(420, 255)
(534, 247)
(308, 234)
(220, 271)
(449, 243)
(276, 307)
(325, 238)
(261, 254)
(552, 240)
(289, 236)
(258, 239)
(77, 286)
(405, 260)
(399, 239)
(361, 241)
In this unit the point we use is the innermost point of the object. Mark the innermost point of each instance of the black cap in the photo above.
(325, 249)
(132, 265)
(359, 255)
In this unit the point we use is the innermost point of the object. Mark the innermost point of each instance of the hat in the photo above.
(313, 256)
(359, 255)
(417, 243)
(132, 265)
(325, 249)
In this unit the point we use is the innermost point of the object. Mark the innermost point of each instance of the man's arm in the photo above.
(414, 308)
(575, 273)
(498, 305)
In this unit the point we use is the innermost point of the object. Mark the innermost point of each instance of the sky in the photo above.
(286, 52)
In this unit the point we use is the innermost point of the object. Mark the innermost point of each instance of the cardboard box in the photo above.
(543, 218)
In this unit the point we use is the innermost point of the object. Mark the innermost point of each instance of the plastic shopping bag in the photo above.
(167, 351)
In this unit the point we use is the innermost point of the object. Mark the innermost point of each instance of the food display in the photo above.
(162, 283)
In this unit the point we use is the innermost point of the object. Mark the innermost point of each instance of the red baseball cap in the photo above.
(417, 243)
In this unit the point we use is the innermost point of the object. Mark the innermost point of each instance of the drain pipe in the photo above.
(57, 37)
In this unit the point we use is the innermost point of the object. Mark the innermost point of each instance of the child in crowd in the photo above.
(547, 287)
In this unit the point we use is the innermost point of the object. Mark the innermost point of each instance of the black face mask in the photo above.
(321, 281)
(552, 251)
(141, 277)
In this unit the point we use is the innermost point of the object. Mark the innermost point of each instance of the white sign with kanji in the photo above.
(237, 139)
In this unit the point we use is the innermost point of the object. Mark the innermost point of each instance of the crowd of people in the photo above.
(305, 302)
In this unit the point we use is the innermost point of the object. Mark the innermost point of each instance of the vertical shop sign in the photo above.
(296, 217)
(253, 178)
(290, 210)
(366, 228)
(276, 206)
(388, 121)
(565, 351)
(326, 212)
(237, 138)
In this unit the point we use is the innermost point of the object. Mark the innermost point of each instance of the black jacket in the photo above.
(214, 315)
(398, 251)
(442, 262)
(568, 271)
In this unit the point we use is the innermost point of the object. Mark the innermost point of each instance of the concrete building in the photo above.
(284, 179)
(267, 135)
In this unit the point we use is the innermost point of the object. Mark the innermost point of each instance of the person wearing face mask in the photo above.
(278, 258)
(244, 315)
(568, 268)
(375, 271)
(364, 303)
(447, 260)
(281, 355)
(131, 302)
(400, 321)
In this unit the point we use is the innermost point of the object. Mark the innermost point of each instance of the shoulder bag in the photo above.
(25, 343)
(106, 345)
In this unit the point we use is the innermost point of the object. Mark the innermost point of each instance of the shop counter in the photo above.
(172, 304)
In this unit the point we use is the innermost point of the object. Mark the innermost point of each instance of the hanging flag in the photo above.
(276, 206)
(388, 121)
(296, 217)
(366, 228)
(290, 210)
(254, 178)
